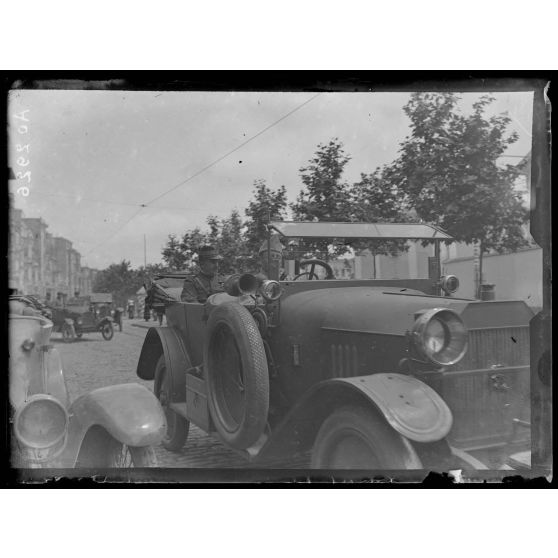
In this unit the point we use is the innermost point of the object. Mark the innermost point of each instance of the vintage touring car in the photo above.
(114, 426)
(85, 314)
(368, 374)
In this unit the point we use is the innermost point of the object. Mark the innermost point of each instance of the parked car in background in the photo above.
(114, 426)
(85, 314)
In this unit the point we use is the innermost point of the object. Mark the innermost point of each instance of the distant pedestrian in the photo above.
(118, 317)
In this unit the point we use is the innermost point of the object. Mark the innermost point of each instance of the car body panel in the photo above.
(167, 341)
(411, 407)
(130, 413)
(37, 369)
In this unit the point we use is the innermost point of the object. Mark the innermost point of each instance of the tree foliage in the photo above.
(447, 171)
(123, 282)
(325, 195)
(230, 242)
(265, 203)
(374, 200)
(173, 254)
(328, 197)
(226, 235)
(118, 279)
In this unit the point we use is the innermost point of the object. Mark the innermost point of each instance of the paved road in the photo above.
(91, 362)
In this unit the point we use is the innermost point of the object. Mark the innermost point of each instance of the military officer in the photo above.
(199, 286)
(271, 267)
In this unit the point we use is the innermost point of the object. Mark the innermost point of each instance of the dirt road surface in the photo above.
(91, 362)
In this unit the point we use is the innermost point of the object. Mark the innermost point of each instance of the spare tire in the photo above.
(237, 375)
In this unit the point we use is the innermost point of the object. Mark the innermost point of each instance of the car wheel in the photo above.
(68, 333)
(357, 438)
(237, 375)
(122, 456)
(100, 450)
(107, 331)
(177, 426)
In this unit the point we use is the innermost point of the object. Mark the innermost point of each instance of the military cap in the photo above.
(208, 253)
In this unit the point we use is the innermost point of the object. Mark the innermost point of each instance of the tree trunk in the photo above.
(481, 250)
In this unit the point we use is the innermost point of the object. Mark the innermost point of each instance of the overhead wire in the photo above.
(115, 232)
(232, 150)
(80, 199)
(207, 167)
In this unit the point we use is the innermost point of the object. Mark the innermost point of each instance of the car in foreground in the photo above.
(366, 374)
(114, 426)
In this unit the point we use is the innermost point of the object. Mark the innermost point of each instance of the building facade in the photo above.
(41, 264)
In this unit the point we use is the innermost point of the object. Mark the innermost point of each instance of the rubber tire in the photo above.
(177, 426)
(107, 336)
(389, 449)
(100, 450)
(234, 319)
(139, 456)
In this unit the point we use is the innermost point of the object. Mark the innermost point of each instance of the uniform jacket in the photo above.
(198, 287)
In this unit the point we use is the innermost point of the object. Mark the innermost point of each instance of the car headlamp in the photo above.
(449, 283)
(247, 283)
(41, 422)
(270, 290)
(440, 336)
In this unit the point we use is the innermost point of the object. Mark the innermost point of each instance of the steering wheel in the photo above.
(311, 275)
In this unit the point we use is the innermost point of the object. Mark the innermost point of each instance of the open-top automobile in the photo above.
(369, 374)
(84, 314)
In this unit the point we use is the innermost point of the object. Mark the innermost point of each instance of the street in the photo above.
(91, 362)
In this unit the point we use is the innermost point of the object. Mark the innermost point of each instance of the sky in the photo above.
(95, 156)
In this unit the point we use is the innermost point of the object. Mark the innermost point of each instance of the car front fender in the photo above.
(130, 413)
(167, 341)
(409, 406)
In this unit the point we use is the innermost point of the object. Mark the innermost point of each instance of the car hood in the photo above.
(390, 310)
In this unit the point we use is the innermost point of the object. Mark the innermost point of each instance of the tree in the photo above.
(231, 244)
(173, 254)
(447, 171)
(178, 254)
(226, 235)
(145, 274)
(120, 280)
(374, 200)
(266, 203)
(325, 197)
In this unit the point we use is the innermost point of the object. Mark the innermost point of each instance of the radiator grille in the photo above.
(488, 347)
(482, 413)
